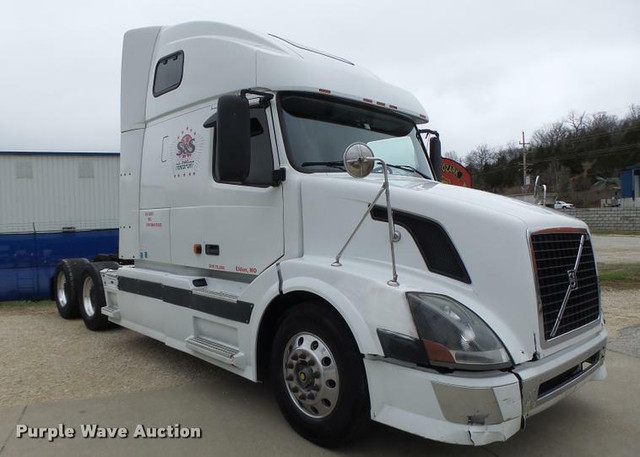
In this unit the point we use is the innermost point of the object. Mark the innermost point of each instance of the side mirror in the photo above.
(233, 138)
(435, 151)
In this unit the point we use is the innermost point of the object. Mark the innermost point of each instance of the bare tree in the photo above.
(550, 135)
(604, 121)
(480, 157)
(578, 122)
(453, 156)
(511, 150)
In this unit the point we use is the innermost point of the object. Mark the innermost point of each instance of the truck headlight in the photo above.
(454, 336)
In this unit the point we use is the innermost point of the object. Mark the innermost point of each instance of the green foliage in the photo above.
(602, 183)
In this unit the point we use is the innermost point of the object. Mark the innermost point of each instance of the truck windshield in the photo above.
(318, 129)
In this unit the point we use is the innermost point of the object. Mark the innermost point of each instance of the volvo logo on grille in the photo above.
(573, 279)
(573, 285)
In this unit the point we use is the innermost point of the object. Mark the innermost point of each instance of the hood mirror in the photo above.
(358, 160)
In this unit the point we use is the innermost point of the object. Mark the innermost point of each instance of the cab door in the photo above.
(238, 227)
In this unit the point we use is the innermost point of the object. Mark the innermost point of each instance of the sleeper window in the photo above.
(168, 75)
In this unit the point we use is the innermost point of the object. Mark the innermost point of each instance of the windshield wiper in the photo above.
(408, 168)
(332, 163)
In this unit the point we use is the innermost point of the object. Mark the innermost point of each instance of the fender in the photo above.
(356, 292)
(318, 278)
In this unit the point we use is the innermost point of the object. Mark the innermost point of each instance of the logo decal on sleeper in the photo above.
(188, 153)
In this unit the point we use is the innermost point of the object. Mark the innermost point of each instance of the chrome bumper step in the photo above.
(216, 350)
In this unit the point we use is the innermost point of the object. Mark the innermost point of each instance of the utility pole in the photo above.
(524, 161)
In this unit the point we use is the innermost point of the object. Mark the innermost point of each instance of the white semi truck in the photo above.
(281, 218)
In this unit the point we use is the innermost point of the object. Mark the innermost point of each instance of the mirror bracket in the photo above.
(279, 176)
(429, 132)
(358, 161)
(265, 97)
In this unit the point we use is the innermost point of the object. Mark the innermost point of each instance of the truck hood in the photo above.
(534, 216)
(490, 233)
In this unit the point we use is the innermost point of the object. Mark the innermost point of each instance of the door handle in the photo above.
(212, 249)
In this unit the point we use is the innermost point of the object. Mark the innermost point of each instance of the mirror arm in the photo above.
(430, 132)
(337, 263)
(393, 235)
(392, 230)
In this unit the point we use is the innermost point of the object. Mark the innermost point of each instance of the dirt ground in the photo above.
(611, 249)
(621, 309)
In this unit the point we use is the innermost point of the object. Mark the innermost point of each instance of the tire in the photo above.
(66, 283)
(91, 297)
(318, 376)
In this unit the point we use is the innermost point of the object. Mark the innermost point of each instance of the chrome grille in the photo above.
(555, 256)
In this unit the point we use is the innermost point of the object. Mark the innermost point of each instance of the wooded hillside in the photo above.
(579, 157)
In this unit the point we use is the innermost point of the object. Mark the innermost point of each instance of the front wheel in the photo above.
(318, 376)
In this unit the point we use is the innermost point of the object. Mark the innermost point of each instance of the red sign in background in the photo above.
(454, 173)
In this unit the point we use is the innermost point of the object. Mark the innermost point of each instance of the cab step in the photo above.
(216, 350)
(113, 313)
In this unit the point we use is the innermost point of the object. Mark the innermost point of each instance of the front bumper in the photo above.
(478, 408)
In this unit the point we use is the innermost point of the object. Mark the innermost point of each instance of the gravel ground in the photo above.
(44, 357)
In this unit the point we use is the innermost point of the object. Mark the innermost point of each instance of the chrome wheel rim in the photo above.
(311, 375)
(87, 303)
(61, 293)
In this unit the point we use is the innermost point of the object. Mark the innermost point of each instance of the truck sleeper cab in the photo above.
(235, 201)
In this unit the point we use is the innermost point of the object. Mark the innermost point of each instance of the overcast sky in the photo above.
(484, 70)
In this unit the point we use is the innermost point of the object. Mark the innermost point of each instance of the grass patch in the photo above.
(620, 276)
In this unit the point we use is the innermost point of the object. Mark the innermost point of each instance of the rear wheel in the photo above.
(318, 376)
(66, 284)
(91, 296)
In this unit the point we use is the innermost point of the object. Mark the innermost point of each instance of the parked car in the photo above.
(559, 204)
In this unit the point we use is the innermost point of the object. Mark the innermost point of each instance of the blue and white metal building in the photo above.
(630, 181)
(53, 205)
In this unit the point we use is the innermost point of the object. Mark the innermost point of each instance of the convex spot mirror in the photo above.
(358, 160)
